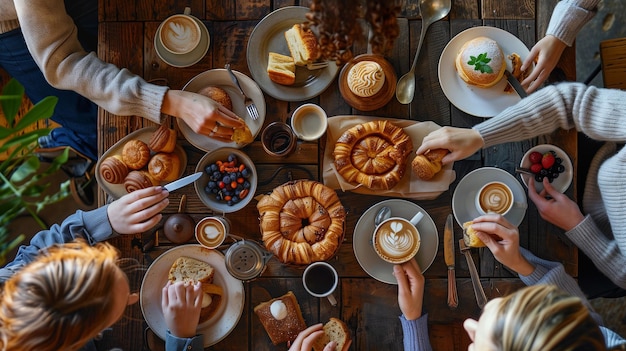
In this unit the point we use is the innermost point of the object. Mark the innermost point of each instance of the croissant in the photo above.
(373, 154)
(135, 154)
(136, 180)
(163, 139)
(302, 221)
(425, 166)
(164, 166)
(113, 170)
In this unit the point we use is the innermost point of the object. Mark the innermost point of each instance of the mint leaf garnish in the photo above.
(480, 63)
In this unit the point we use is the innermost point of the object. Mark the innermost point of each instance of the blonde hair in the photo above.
(543, 317)
(61, 300)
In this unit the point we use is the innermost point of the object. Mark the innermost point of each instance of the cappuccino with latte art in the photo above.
(396, 240)
(180, 34)
(494, 197)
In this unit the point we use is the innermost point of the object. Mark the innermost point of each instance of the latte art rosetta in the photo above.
(366, 78)
(396, 241)
(180, 34)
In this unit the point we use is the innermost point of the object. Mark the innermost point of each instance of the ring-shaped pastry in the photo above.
(302, 221)
(373, 154)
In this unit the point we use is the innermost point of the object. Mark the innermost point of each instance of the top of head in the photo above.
(469, 72)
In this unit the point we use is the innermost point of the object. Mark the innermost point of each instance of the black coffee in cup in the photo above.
(320, 280)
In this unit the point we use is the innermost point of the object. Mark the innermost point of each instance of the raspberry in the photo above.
(536, 168)
(535, 157)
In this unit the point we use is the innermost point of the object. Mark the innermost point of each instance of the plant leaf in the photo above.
(44, 109)
(13, 92)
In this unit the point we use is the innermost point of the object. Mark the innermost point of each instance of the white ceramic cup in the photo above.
(320, 279)
(494, 197)
(309, 122)
(179, 34)
(212, 231)
(397, 240)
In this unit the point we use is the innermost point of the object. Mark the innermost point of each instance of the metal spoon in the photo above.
(431, 11)
(382, 214)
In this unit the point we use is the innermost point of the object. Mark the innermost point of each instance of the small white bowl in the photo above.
(209, 199)
(563, 181)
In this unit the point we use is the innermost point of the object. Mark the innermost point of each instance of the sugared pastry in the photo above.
(136, 180)
(302, 45)
(113, 170)
(366, 78)
(164, 166)
(481, 62)
(281, 317)
(163, 139)
(217, 94)
(425, 166)
(135, 154)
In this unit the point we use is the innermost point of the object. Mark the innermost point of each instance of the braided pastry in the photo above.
(373, 154)
(135, 154)
(425, 166)
(302, 221)
(113, 170)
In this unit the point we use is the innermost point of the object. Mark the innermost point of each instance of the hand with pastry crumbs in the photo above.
(203, 115)
(462, 143)
(307, 337)
(410, 289)
(181, 304)
(138, 211)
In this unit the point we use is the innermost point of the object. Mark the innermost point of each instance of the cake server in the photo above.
(177, 184)
(448, 254)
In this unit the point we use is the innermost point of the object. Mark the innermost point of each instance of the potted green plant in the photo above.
(23, 183)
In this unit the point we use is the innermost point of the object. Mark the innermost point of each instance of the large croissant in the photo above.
(302, 221)
(425, 166)
(373, 154)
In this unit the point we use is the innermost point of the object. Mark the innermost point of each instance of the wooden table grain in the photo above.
(370, 307)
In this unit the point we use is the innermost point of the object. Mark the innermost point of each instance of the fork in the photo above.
(250, 106)
(311, 66)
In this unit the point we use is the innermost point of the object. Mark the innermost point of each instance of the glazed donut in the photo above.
(373, 154)
(163, 139)
(113, 170)
(302, 221)
(136, 180)
(135, 154)
(425, 166)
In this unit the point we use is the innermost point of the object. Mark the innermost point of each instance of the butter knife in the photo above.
(177, 184)
(448, 254)
(517, 86)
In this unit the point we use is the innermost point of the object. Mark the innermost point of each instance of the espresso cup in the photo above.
(396, 240)
(180, 33)
(320, 279)
(211, 231)
(494, 197)
(278, 139)
(309, 122)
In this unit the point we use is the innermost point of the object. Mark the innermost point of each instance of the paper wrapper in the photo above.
(410, 186)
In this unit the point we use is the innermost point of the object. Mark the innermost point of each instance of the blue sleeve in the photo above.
(173, 343)
(415, 333)
(93, 226)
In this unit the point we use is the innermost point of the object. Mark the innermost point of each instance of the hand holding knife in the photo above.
(448, 254)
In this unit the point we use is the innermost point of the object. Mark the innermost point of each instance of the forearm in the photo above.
(415, 334)
(568, 18)
(173, 343)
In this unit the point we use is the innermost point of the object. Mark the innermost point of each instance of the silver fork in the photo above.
(311, 66)
(250, 106)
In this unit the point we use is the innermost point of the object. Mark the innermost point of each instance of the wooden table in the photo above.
(368, 306)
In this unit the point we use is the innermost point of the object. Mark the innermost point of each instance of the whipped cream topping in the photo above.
(397, 241)
(278, 309)
(366, 78)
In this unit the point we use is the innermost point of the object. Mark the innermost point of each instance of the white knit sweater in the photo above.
(601, 115)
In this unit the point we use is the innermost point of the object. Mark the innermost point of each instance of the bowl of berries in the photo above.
(228, 180)
(547, 161)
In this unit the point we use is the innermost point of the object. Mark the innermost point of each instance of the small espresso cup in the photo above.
(211, 231)
(396, 240)
(494, 197)
(309, 122)
(278, 139)
(320, 279)
(180, 33)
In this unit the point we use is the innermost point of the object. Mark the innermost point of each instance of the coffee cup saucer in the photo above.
(190, 58)
(463, 199)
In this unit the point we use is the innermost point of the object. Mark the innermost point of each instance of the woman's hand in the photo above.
(547, 52)
(502, 238)
(306, 338)
(462, 143)
(555, 207)
(203, 115)
(410, 289)
(181, 304)
(138, 211)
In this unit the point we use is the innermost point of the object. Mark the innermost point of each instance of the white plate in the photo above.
(186, 60)
(269, 36)
(563, 181)
(220, 78)
(481, 102)
(463, 200)
(144, 134)
(230, 310)
(364, 229)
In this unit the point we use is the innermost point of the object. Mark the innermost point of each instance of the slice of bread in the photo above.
(289, 326)
(281, 69)
(302, 45)
(187, 269)
(334, 330)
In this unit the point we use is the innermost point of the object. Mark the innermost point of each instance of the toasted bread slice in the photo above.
(187, 269)
(281, 69)
(334, 330)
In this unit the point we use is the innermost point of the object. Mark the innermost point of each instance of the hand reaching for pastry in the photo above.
(306, 338)
(203, 115)
(462, 143)
(138, 211)
(181, 304)
(546, 53)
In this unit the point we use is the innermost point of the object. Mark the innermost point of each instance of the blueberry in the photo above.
(226, 179)
(232, 157)
(246, 185)
(560, 169)
(246, 173)
(539, 178)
